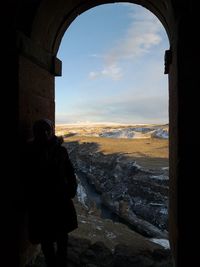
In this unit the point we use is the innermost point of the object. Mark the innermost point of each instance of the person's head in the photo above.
(43, 130)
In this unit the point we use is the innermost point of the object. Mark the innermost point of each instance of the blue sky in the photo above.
(113, 67)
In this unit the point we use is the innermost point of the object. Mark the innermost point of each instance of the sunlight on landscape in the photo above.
(149, 152)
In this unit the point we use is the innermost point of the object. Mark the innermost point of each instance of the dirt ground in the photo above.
(148, 153)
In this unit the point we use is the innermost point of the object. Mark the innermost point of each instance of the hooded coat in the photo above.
(51, 186)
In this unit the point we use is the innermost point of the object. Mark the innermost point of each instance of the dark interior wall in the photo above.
(173, 143)
(9, 128)
(36, 95)
(36, 100)
(188, 139)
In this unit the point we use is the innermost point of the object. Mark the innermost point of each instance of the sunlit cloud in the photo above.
(142, 35)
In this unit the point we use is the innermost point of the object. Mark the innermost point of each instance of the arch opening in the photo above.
(161, 10)
(49, 41)
(114, 75)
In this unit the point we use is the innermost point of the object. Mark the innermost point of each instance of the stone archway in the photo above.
(39, 66)
(49, 26)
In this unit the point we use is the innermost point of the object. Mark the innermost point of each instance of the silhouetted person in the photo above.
(51, 185)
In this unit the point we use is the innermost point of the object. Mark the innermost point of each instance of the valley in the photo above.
(130, 175)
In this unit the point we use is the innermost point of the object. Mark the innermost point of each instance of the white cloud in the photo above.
(140, 37)
(112, 71)
(93, 74)
(143, 34)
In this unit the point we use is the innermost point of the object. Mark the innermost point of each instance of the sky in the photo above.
(113, 67)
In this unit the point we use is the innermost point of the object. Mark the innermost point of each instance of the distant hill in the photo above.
(115, 130)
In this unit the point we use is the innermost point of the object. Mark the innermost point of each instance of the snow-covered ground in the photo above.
(163, 242)
(159, 177)
(82, 195)
(135, 133)
(115, 131)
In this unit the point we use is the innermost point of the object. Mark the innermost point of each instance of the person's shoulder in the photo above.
(59, 142)
(59, 139)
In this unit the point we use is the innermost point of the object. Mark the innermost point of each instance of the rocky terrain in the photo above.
(137, 195)
(103, 243)
(83, 253)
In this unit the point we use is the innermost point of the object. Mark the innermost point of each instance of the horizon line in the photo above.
(108, 123)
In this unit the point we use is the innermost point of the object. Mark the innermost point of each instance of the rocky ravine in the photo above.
(139, 196)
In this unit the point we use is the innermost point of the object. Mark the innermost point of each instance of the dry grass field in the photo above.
(149, 153)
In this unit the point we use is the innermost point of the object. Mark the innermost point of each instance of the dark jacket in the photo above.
(51, 185)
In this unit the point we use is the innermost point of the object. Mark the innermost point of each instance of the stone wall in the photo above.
(36, 96)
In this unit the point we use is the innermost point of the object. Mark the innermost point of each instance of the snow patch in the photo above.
(163, 242)
(110, 235)
(81, 195)
(165, 168)
(161, 133)
(160, 177)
